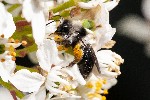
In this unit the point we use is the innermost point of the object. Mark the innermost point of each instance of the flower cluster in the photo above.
(34, 24)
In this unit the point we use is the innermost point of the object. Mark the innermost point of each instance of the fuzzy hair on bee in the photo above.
(71, 34)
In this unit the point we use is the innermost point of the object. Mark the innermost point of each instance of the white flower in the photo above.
(5, 94)
(109, 63)
(103, 32)
(7, 26)
(146, 8)
(110, 83)
(89, 5)
(7, 66)
(110, 4)
(47, 55)
(26, 81)
(93, 89)
(39, 95)
(11, 1)
(33, 11)
(140, 30)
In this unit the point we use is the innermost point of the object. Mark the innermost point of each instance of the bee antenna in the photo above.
(50, 22)
(55, 20)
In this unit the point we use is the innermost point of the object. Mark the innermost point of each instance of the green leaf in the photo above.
(10, 87)
(65, 5)
(24, 51)
(19, 67)
(2, 48)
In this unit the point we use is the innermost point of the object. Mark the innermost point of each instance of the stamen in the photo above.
(2, 36)
(16, 41)
(13, 59)
(104, 81)
(98, 86)
(13, 54)
(103, 98)
(2, 60)
(89, 85)
(11, 40)
(24, 43)
(105, 92)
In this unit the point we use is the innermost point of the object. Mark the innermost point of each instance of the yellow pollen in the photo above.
(24, 43)
(93, 95)
(13, 59)
(89, 85)
(58, 38)
(2, 60)
(61, 47)
(67, 88)
(105, 91)
(98, 86)
(78, 52)
(11, 49)
(103, 98)
(16, 41)
(11, 40)
(2, 36)
(104, 81)
(13, 54)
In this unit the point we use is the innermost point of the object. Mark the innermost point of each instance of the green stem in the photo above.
(18, 67)
(11, 88)
(13, 7)
(65, 5)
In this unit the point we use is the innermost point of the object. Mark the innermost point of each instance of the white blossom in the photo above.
(7, 66)
(140, 30)
(5, 94)
(26, 81)
(109, 63)
(7, 26)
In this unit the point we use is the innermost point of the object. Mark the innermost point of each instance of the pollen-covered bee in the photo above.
(71, 34)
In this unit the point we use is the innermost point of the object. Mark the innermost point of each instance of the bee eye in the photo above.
(65, 26)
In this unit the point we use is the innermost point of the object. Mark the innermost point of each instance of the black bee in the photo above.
(70, 34)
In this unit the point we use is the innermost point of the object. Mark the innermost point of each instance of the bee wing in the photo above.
(95, 59)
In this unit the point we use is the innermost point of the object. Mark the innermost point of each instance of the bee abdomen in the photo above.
(86, 63)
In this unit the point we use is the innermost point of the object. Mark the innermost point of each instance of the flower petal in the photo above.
(40, 95)
(111, 4)
(146, 8)
(11, 1)
(7, 26)
(33, 13)
(47, 54)
(5, 94)
(26, 81)
(7, 67)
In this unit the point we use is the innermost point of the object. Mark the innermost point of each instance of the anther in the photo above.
(2, 60)
(2, 36)
(24, 43)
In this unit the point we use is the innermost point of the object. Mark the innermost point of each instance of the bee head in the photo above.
(64, 28)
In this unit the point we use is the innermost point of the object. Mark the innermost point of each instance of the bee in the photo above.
(71, 34)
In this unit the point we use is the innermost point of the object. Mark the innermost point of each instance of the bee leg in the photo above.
(78, 54)
(66, 43)
(72, 63)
